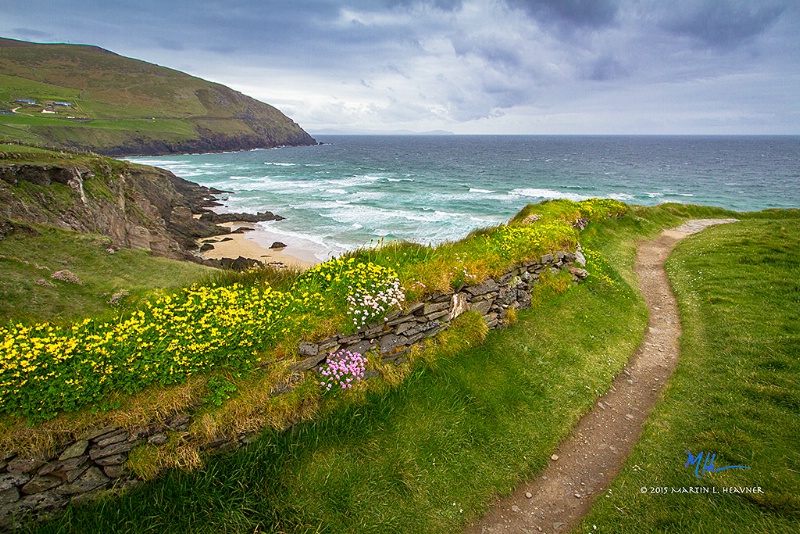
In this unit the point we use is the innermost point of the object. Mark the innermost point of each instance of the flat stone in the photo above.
(91, 480)
(438, 315)
(391, 343)
(24, 465)
(362, 347)
(116, 459)
(66, 470)
(9, 480)
(403, 327)
(414, 308)
(580, 259)
(308, 363)
(113, 471)
(483, 288)
(421, 328)
(347, 340)
(328, 344)
(308, 349)
(76, 449)
(39, 484)
(116, 448)
(547, 258)
(111, 439)
(428, 309)
(403, 319)
(481, 307)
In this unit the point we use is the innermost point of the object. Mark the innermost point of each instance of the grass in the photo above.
(735, 393)
(472, 418)
(128, 105)
(427, 455)
(34, 253)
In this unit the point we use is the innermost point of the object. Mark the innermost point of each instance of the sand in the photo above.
(247, 246)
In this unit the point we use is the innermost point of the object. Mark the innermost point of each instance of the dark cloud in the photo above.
(581, 13)
(722, 23)
(445, 5)
(449, 62)
(606, 69)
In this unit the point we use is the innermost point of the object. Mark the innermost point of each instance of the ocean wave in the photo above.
(476, 190)
(547, 194)
(278, 164)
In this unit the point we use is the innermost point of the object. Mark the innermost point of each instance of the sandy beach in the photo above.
(250, 244)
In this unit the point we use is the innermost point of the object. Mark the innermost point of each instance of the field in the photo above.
(736, 394)
(478, 412)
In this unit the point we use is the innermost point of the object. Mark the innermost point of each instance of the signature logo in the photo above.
(704, 463)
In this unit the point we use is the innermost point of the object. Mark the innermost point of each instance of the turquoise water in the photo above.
(352, 190)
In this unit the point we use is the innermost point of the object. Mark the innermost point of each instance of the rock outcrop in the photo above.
(136, 206)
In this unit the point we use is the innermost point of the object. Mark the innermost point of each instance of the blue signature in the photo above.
(704, 463)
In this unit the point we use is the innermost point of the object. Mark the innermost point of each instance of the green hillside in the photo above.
(86, 97)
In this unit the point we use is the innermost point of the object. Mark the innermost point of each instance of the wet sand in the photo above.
(246, 245)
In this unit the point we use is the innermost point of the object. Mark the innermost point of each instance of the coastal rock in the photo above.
(278, 244)
(221, 218)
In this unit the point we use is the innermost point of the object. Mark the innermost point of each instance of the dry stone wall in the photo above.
(95, 460)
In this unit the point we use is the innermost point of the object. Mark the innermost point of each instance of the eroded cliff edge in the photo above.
(135, 205)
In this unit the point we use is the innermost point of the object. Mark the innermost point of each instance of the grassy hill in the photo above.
(89, 98)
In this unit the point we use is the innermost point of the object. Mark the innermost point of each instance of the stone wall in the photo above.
(399, 331)
(95, 460)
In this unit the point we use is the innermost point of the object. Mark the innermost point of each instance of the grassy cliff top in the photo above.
(87, 97)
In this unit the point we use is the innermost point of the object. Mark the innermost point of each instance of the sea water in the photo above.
(351, 191)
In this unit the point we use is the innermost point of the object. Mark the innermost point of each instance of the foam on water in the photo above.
(350, 190)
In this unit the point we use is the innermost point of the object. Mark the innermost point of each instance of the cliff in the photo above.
(87, 98)
(136, 206)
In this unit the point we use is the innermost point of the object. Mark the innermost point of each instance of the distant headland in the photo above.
(86, 98)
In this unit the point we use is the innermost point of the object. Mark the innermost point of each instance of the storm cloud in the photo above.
(469, 66)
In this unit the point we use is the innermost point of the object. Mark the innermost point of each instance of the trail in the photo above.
(587, 461)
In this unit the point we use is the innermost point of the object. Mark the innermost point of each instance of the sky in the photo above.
(465, 66)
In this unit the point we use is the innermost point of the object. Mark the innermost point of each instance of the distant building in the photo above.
(48, 111)
(25, 101)
(67, 104)
(6, 112)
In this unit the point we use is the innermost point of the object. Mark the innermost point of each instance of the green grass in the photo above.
(462, 428)
(735, 393)
(474, 419)
(122, 95)
(26, 259)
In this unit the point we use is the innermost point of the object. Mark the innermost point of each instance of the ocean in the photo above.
(352, 191)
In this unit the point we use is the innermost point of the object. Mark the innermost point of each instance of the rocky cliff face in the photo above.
(136, 206)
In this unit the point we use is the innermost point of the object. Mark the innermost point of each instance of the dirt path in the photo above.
(588, 460)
